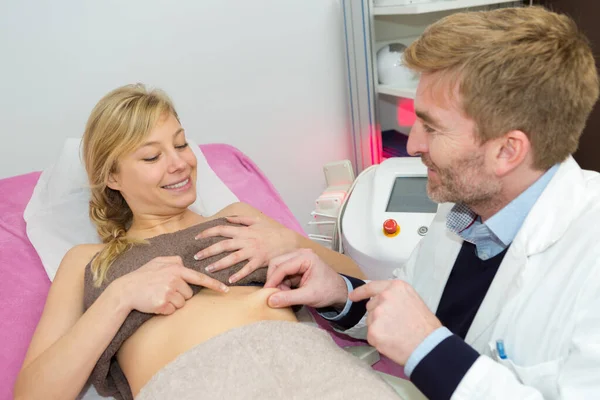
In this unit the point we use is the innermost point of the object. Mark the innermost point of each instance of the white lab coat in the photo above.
(544, 301)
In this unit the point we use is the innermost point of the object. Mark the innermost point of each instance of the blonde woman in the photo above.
(143, 179)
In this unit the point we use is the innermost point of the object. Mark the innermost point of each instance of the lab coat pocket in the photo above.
(542, 376)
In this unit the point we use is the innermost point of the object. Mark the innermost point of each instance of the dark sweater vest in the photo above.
(466, 288)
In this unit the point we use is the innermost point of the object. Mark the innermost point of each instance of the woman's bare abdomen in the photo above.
(162, 338)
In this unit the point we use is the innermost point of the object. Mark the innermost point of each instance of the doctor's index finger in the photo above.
(277, 261)
(293, 266)
(368, 290)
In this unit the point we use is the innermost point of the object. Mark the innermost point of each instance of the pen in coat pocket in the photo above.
(500, 348)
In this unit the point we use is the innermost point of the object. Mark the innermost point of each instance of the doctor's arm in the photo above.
(352, 319)
(576, 376)
(443, 366)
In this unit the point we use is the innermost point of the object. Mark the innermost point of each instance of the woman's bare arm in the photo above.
(68, 342)
(339, 262)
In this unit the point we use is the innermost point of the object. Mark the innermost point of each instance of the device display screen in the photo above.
(409, 195)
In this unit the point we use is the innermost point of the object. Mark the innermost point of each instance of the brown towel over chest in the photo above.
(107, 376)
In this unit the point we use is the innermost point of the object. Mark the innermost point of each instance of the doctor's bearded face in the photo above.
(159, 177)
(445, 138)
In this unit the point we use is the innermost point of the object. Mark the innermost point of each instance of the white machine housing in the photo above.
(395, 189)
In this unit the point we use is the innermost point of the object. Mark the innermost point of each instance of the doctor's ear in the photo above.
(512, 150)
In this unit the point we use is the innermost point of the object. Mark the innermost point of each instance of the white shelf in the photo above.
(440, 5)
(397, 91)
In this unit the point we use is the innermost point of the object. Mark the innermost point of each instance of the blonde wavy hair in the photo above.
(118, 124)
(525, 69)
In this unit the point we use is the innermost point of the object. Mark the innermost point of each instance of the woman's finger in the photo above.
(166, 309)
(228, 261)
(222, 230)
(176, 299)
(246, 270)
(184, 289)
(241, 220)
(199, 279)
(220, 247)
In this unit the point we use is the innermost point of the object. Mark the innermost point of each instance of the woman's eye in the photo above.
(183, 146)
(151, 159)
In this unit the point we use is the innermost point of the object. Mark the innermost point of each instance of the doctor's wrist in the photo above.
(341, 291)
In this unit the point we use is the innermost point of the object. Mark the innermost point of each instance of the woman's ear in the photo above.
(113, 182)
(512, 150)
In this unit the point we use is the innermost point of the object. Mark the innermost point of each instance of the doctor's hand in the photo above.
(259, 240)
(304, 279)
(398, 320)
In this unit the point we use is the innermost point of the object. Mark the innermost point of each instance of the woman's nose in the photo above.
(176, 162)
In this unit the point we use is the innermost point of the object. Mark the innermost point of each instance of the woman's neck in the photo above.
(147, 226)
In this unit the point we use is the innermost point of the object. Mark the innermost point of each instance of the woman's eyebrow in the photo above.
(155, 142)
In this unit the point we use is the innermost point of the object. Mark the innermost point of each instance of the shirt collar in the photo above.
(505, 223)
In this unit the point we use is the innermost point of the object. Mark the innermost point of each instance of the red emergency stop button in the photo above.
(391, 227)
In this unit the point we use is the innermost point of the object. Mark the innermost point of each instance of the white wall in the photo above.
(267, 76)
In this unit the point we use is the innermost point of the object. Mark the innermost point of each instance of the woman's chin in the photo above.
(182, 202)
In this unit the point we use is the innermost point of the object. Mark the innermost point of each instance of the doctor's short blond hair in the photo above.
(118, 124)
(525, 69)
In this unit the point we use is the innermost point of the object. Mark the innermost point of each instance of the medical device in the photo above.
(339, 176)
(386, 214)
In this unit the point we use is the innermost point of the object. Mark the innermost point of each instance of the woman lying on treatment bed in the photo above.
(142, 176)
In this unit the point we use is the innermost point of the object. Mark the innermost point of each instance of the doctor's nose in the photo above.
(417, 141)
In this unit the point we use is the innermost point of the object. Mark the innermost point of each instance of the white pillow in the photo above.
(57, 216)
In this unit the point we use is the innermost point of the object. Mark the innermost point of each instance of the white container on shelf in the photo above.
(401, 2)
(391, 70)
(408, 7)
(378, 3)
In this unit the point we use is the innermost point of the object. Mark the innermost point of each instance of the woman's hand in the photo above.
(259, 241)
(161, 286)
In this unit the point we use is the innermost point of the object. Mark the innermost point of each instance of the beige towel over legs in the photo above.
(267, 360)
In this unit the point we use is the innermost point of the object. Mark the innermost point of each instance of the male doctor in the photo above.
(501, 299)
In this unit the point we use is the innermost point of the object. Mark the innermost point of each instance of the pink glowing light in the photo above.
(405, 112)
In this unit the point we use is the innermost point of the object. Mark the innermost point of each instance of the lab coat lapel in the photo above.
(504, 287)
(443, 261)
(545, 224)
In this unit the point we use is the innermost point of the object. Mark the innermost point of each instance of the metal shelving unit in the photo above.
(436, 6)
(367, 28)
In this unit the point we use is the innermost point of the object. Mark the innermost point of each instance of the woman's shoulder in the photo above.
(239, 209)
(75, 260)
(82, 254)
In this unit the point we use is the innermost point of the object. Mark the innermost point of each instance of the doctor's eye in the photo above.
(428, 129)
